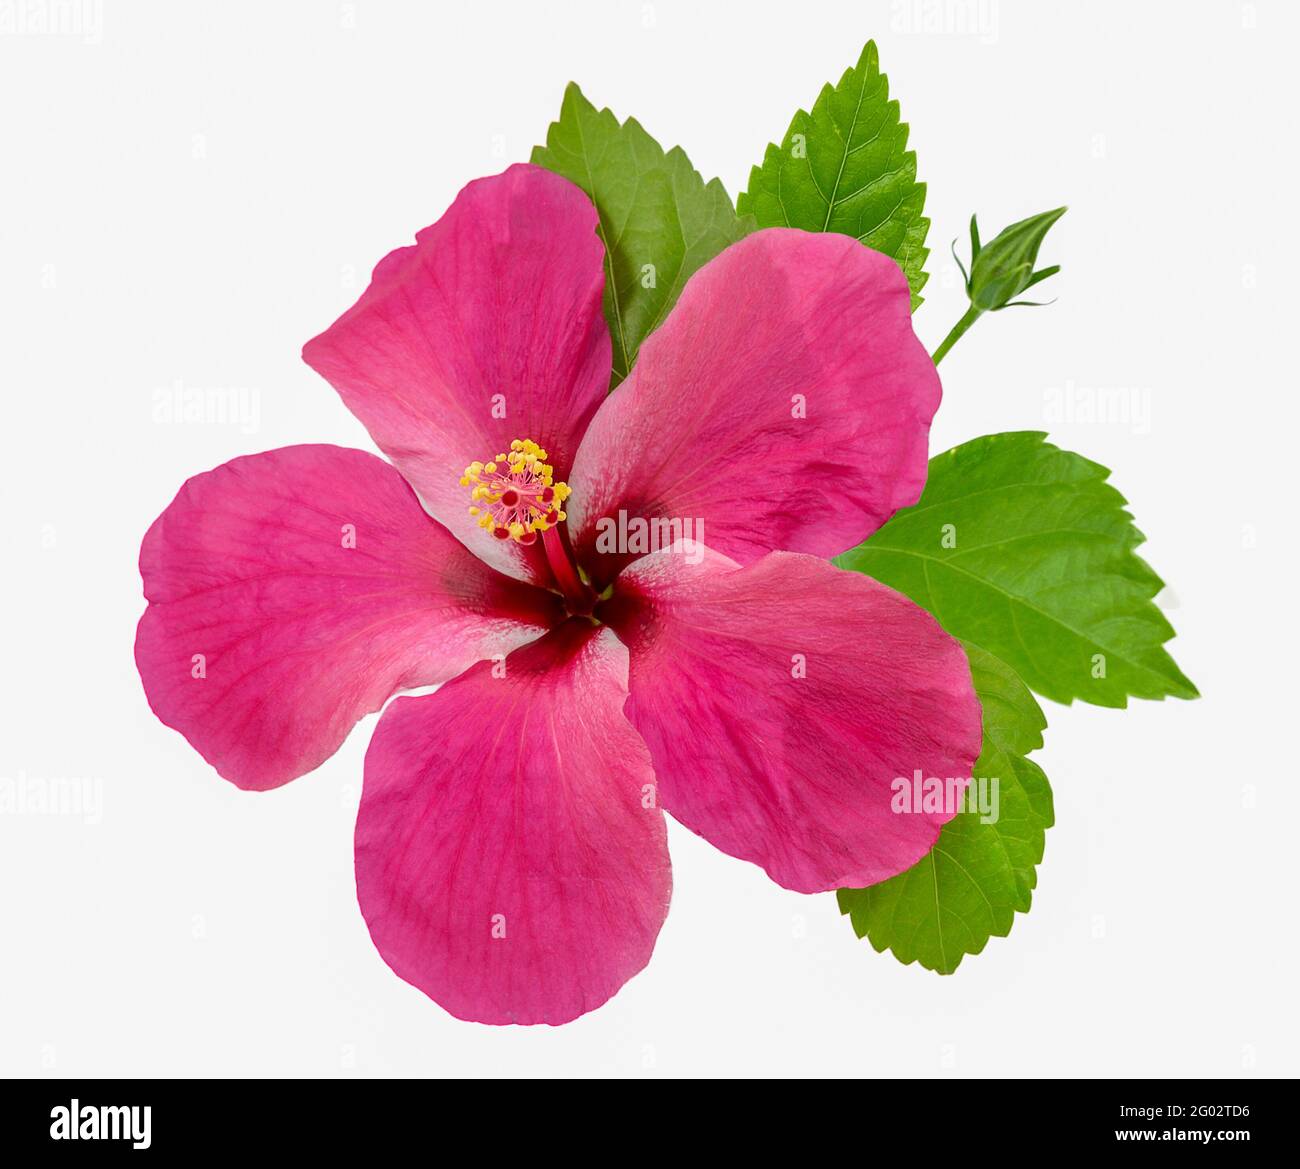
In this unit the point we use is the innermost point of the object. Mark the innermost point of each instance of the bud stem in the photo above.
(972, 315)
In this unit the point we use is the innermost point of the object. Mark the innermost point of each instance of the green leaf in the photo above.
(659, 220)
(1026, 551)
(845, 167)
(970, 886)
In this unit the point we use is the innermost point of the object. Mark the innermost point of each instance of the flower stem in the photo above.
(578, 597)
(972, 315)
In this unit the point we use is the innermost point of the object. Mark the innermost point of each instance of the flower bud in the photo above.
(1002, 269)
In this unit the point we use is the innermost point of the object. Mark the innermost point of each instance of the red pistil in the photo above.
(578, 597)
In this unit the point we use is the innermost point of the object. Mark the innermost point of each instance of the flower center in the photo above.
(515, 495)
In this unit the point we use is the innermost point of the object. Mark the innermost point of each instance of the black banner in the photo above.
(335, 1117)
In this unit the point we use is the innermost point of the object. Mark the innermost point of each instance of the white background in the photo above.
(189, 191)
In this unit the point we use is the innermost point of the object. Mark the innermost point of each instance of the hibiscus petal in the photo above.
(785, 402)
(511, 860)
(292, 592)
(781, 701)
(488, 329)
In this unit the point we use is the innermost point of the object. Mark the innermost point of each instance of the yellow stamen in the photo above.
(517, 492)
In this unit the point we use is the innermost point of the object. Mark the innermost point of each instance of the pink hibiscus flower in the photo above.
(511, 855)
